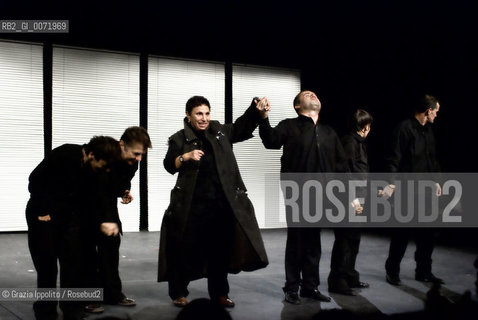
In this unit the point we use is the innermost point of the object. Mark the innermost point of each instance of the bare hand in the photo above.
(357, 206)
(127, 197)
(194, 155)
(438, 193)
(44, 218)
(387, 192)
(263, 107)
(109, 228)
(358, 210)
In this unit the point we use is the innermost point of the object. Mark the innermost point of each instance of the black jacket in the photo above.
(307, 147)
(355, 149)
(58, 183)
(112, 185)
(356, 154)
(413, 148)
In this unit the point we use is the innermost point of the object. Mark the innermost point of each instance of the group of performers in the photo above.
(209, 228)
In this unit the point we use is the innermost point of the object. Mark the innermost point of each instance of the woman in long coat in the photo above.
(209, 228)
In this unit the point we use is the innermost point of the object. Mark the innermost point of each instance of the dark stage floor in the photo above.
(258, 295)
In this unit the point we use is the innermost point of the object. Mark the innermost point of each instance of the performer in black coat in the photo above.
(57, 218)
(209, 228)
(308, 146)
(343, 276)
(413, 150)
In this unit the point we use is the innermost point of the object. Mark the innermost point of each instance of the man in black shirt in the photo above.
(413, 150)
(56, 217)
(134, 143)
(343, 277)
(309, 146)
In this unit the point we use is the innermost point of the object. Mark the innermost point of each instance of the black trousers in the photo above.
(108, 268)
(102, 270)
(476, 282)
(425, 242)
(343, 274)
(302, 256)
(207, 244)
(50, 242)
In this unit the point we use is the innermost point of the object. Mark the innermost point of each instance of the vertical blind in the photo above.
(96, 93)
(260, 168)
(171, 83)
(21, 127)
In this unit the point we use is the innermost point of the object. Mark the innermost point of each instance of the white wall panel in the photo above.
(260, 168)
(21, 128)
(96, 93)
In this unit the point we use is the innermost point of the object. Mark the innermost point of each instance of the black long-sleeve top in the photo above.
(56, 185)
(308, 147)
(413, 148)
(120, 177)
(355, 149)
(111, 185)
(208, 186)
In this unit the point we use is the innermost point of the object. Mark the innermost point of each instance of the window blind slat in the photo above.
(21, 128)
(96, 93)
(260, 168)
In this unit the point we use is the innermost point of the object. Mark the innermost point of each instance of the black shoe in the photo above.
(361, 285)
(316, 295)
(393, 280)
(225, 302)
(292, 297)
(345, 292)
(127, 302)
(428, 278)
(94, 308)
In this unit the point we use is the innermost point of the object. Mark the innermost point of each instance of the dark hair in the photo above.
(104, 148)
(360, 118)
(426, 102)
(136, 135)
(196, 101)
(203, 308)
(297, 99)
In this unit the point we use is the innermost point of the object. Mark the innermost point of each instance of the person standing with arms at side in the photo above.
(413, 150)
(209, 228)
(56, 220)
(343, 277)
(134, 144)
(308, 146)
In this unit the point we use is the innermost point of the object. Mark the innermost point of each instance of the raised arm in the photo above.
(245, 125)
(272, 138)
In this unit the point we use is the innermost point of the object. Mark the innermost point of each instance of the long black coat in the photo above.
(248, 252)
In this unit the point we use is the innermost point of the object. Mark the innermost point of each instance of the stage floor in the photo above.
(258, 295)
